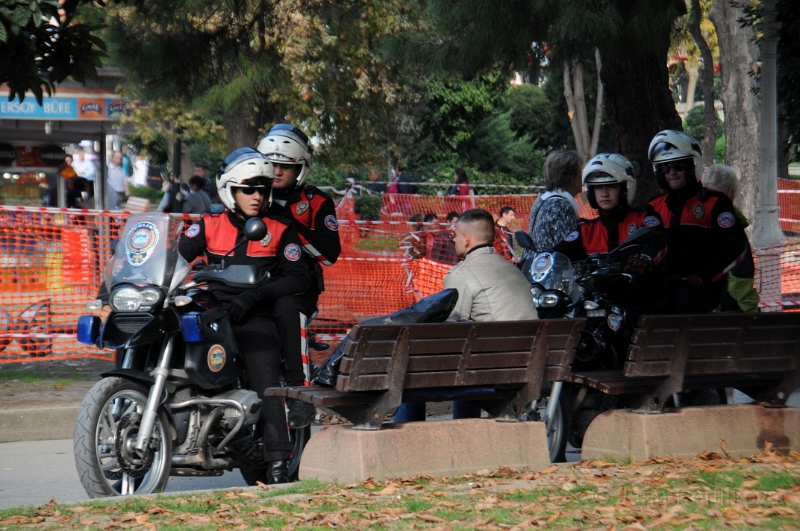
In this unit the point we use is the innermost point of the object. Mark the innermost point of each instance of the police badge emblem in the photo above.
(301, 207)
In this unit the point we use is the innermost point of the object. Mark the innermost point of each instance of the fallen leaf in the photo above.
(724, 448)
(389, 490)
(550, 469)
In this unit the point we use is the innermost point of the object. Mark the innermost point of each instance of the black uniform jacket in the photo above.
(279, 252)
(607, 231)
(315, 219)
(704, 236)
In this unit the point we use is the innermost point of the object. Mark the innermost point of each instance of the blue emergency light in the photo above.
(191, 327)
(88, 329)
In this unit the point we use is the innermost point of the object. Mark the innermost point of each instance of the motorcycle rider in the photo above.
(609, 182)
(314, 217)
(244, 185)
(704, 237)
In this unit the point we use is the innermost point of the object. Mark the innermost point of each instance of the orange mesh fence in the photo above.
(789, 203)
(51, 264)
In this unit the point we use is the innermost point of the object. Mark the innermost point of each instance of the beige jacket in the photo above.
(489, 288)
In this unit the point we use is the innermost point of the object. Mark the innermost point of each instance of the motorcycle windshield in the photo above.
(553, 271)
(147, 253)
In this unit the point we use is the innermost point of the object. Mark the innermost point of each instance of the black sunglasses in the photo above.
(251, 190)
(677, 166)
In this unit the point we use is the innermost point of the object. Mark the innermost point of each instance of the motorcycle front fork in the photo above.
(150, 414)
(550, 411)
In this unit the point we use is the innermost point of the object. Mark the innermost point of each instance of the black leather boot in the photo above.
(278, 472)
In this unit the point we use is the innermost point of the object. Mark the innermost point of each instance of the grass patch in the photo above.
(306, 486)
(417, 506)
(777, 480)
(22, 376)
(453, 514)
(728, 479)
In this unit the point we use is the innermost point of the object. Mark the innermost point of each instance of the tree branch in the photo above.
(598, 107)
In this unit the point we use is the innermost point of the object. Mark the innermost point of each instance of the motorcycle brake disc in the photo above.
(128, 458)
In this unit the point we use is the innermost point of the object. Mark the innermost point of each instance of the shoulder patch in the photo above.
(631, 228)
(572, 236)
(726, 220)
(651, 221)
(193, 231)
(698, 211)
(292, 252)
(331, 223)
(267, 239)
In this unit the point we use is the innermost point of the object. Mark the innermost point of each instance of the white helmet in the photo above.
(672, 146)
(287, 144)
(609, 168)
(244, 167)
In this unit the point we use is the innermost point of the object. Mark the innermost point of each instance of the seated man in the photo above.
(489, 288)
(741, 295)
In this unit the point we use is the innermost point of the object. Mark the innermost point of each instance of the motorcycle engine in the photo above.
(250, 403)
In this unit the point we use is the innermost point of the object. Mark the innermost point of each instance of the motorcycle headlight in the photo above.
(150, 296)
(548, 300)
(126, 300)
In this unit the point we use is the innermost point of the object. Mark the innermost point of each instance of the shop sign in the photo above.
(8, 154)
(63, 109)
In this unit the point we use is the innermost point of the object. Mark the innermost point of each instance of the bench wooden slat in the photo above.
(369, 382)
(321, 396)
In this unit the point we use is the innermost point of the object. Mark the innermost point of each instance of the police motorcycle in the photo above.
(594, 288)
(177, 403)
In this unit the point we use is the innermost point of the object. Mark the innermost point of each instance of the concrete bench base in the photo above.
(440, 448)
(686, 432)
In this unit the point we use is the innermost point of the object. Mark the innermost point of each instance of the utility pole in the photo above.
(767, 234)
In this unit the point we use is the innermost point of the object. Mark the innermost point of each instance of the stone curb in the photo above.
(37, 424)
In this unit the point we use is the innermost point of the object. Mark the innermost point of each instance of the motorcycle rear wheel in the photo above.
(299, 439)
(110, 403)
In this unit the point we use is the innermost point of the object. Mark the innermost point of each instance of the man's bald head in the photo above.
(473, 228)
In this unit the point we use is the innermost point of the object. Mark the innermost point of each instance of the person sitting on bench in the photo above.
(489, 288)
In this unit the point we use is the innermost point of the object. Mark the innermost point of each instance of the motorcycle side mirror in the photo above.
(523, 239)
(255, 229)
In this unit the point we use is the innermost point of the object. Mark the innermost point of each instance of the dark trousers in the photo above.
(415, 411)
(289, 314)
(688, 300)
(260, 348)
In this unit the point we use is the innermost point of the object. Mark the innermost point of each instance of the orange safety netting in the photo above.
(51, 263)
(789, 203)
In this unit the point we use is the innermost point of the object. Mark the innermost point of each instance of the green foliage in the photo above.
(695, 123)
(321, 175)
(719, 150)
(368, 207)
(150, 145)
(39, 50)
(153, 195)
(201, 154)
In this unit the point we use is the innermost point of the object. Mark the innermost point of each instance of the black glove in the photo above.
(696, 282)
(237, 308)
(638, 264)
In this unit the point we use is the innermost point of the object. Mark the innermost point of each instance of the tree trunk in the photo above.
(241, 128)
(580, 108)
(578, 128)
(639, 104)
(693, 73)
(738, 56)
(598, 109)
(710, 114)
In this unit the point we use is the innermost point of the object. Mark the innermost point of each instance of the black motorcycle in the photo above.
(177, 403)
(596, 288)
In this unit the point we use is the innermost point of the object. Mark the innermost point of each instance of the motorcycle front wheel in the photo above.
(104, 439)
(557, 435)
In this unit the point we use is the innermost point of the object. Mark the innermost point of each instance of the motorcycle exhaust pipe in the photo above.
(217, 402)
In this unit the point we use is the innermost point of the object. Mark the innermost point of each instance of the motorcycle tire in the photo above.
(97, 429)
(300, 436)
(558, 435)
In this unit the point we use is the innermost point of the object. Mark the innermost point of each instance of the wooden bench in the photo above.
(137, 204)
(498, 365)
(756, 353)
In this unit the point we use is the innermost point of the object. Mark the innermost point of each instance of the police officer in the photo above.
(609, 182)
(704, 237)
(244, 186)
(314, 217)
